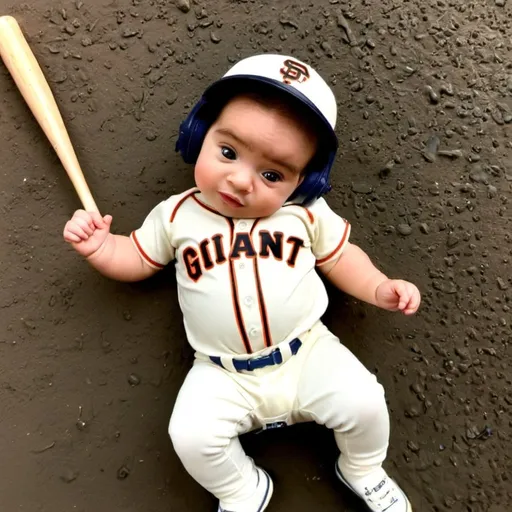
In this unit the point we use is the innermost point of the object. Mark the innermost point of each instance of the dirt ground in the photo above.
(90, 368)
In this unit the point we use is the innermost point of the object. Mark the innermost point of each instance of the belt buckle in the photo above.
(252, 363)
(276, 356)
(273, 358)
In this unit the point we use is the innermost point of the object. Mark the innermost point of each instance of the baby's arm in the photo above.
(112, 255)
(355, 274)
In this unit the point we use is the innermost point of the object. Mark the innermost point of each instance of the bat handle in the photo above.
(70, 161)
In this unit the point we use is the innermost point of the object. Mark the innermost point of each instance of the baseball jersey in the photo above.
(243, 284)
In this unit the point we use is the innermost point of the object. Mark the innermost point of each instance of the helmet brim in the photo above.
(227, 87)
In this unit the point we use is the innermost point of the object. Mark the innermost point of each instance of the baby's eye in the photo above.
(271, 176)
(228, 153)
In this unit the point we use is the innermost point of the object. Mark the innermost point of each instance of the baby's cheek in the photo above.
(201, 176)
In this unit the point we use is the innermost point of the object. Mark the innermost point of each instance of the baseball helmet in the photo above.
(282, 73)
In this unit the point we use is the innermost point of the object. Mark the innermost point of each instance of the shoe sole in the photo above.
(268, 494)
(343, 481)
(266, 498)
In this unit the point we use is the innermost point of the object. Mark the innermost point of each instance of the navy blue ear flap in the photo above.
(316, 181)
(193, 131)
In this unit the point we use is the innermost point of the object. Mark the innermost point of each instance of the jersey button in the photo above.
(253, 332)
(243, 225)
(248, 301)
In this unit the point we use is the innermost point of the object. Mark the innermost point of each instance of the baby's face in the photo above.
(251, 159)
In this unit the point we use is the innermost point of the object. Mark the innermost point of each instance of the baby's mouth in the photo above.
(230, 200)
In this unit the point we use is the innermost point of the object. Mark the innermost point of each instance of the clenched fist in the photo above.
(398, 295)
(87, 231)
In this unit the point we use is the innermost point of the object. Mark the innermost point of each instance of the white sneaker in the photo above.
(379, 492)
(259, 500)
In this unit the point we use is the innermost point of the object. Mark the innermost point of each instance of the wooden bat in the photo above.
(23, 66)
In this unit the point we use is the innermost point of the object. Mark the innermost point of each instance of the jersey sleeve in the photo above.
(154, 239)
(330, 232)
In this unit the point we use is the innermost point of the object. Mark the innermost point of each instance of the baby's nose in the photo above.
(241, 179)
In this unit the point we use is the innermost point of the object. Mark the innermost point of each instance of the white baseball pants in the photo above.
(324, 382)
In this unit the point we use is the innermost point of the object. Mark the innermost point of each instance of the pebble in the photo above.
(60, 76)
(362, 188)
(502, 284)
(433, 96)
(133, 379)
(446, 89)
(450, 153)
(183, 5)
(404, 229)
(327, 48)
(215, 38)
(171, 99)
(129, 32)
(413, 446)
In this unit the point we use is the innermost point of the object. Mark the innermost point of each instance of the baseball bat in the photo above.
(30, 80)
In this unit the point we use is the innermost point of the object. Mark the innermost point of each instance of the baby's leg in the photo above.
(336, 390)
(210, 413)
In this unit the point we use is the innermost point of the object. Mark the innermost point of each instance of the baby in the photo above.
(249, 242)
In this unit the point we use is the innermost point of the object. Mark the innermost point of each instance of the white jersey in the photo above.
(243, 284)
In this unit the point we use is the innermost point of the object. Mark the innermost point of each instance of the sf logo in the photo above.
(293, 70)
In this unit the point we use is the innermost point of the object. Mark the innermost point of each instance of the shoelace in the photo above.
(383, 496)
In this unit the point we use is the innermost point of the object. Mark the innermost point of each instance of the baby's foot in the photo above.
(258, 501)
(378, 491)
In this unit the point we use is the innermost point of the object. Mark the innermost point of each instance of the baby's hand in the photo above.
(398, 295)
(87, 231)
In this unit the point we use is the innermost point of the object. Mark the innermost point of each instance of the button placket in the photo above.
(247, 290)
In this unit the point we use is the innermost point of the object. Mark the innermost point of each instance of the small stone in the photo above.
(129, 32)
(183, 5)
(502, 284)
(81, 425)
(500, 3)
(362, 188)
(133, 379)
(404, 229)
(450, 153)
(447, 89)
(171, 99)
(432, 95)
(215, 38)
(413, 446)
(60, 76)
(424, 228)
(411, 412)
